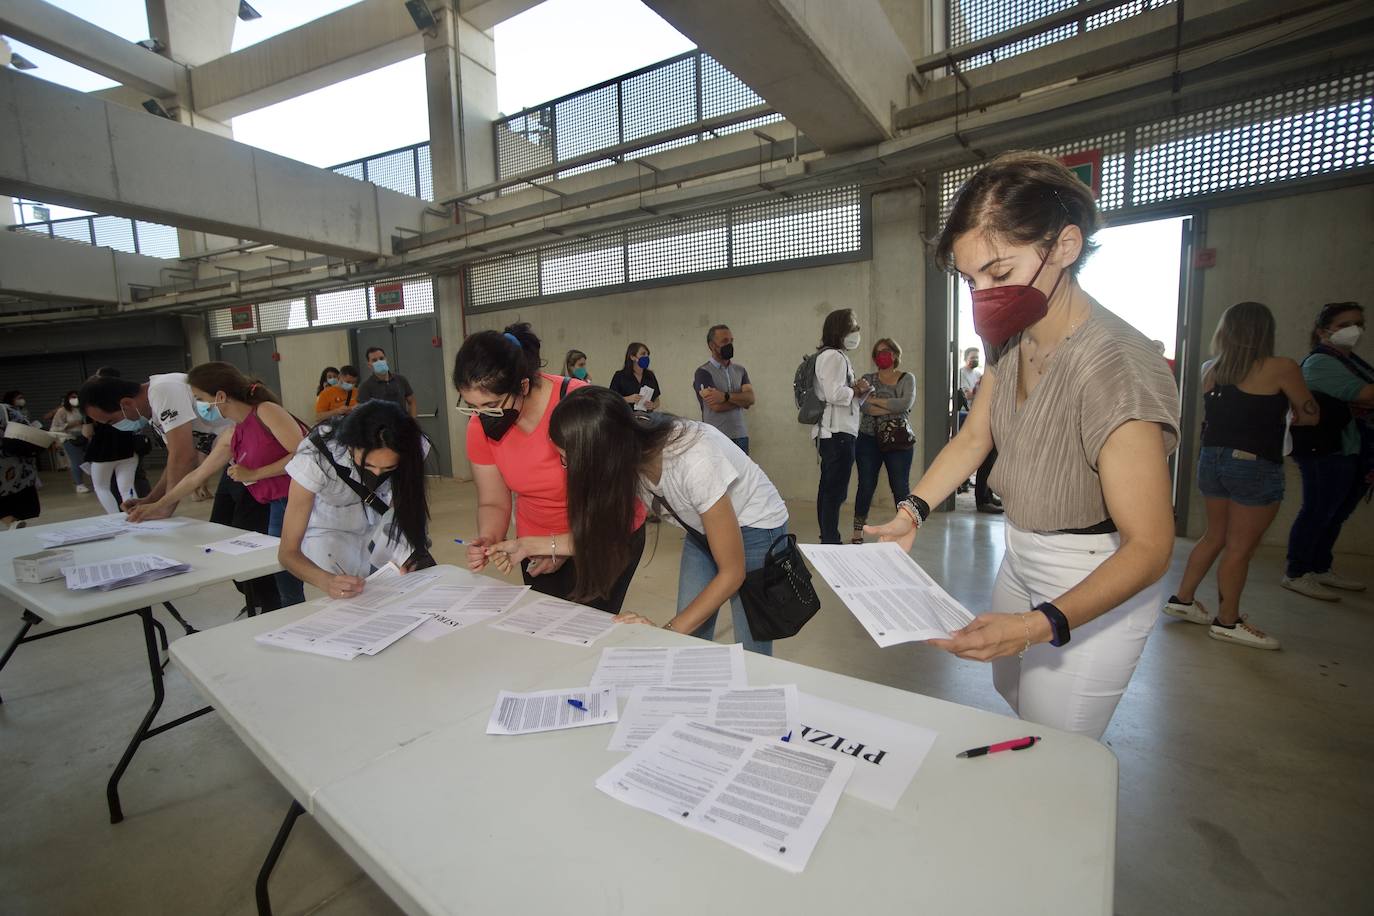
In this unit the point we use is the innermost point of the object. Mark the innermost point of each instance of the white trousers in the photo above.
(122, 470)
(1074, 688)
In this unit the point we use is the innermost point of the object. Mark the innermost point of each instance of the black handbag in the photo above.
(778, 597)
(894, 435)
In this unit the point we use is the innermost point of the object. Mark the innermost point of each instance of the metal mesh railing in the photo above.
(974, 20)
(346, 306)
(406, 170)
(671, 94)
(1319, 127)
(136, 236)
(794, 230)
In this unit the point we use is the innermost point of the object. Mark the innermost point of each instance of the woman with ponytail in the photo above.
(509, 402)
(265, 437)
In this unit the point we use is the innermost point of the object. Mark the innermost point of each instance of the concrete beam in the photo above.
(68, 148)
(835, 70)
(486, 14)
(193, 31)
(333, 48)
(34, 267)
(74, 39)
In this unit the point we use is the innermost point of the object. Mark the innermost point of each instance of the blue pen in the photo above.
(578, 704)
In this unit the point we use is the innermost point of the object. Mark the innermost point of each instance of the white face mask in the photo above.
(851, 342)
(1346, 337)
(72, 402)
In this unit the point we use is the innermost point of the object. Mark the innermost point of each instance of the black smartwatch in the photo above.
(1059, 624)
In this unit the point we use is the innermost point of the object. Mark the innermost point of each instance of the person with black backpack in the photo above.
(1337, 457)
(832, 402)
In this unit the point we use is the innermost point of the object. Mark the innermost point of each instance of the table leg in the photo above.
(161, 633)
(179, 619)
(273, 854)
(144, 730)
(29, 618)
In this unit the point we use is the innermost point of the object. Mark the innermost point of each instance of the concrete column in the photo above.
(193, 31)
(460, 77)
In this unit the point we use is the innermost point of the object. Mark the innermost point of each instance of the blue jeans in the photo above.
(868, 458)
(743, 444)
(76, 456)
(837, 461)
(291, 589)
(698, 568)
(1331, 488)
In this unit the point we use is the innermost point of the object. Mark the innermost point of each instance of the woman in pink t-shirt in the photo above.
(508, 402)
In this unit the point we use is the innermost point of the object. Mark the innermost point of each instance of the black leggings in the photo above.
(561, 584)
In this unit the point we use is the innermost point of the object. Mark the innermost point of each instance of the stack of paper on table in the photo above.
(103, 527)
(770, 799)
(344, 630)
(550, 710)
(558, 620)
(119, 573)
(767, 712)
(452, 607)
(884, 588)
(705, 665)
(247, 542)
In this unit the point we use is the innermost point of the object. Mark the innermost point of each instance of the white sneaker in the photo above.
(1243, 634)
(1193, 613)
(82, 488)
(1307, 584)
(1331, 580)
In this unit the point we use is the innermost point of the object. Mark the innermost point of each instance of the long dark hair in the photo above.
(606, 448)
(1328, 314)
(836, 329)
(382, 424)
(216, 377)
(324, 377)
(498, 361)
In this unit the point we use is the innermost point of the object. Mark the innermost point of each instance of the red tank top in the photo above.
(254, 446)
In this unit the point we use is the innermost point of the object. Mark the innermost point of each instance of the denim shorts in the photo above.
(1247, 481)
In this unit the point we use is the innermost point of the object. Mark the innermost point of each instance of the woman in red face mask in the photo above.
(1083, 414)
(886, 440)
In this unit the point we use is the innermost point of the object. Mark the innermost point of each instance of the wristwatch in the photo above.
(727, 397)
(917, 508)
(1059, 624)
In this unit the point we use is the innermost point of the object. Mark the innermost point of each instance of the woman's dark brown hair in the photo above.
(213, 378)
(606, 447)
(838, 325)
(1329, 313)
(630, 351)
(1023, 198)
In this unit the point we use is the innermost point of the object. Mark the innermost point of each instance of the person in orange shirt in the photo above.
(338, 395)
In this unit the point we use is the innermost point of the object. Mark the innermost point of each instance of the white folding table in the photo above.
(66, 610)
(389, 754)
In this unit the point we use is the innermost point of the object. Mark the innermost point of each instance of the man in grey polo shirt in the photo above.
(722, 388)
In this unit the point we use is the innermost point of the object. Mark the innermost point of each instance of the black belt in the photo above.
(1106, 526)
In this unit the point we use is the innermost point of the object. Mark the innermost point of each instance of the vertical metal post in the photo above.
(553, 134)
(133, 227)
(415, 164)
(90, 227)
(1128, 176)
(1190, 287)
(495, 151)
(701, 103)
(620, 111)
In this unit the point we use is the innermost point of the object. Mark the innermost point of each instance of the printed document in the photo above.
(247, 542)
(708, 666)
(344, 630)
(768, 712)
(388, 586)
(558, 620)
(886, 753)
(452, 607)
(885, 589)
(550, 710)
(123, 572)
(770, 799)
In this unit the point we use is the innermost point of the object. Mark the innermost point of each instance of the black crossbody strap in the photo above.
(691, 532)
(369, 498)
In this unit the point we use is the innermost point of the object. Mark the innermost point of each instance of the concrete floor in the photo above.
(1244, 774)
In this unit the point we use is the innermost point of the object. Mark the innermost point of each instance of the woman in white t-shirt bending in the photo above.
(614, 460)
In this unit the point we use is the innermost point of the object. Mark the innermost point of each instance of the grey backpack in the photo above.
(810, 407)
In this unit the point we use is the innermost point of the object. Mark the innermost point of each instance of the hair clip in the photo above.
(512, 338)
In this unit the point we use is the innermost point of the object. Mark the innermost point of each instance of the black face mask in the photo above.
(372, 480)
(727, 351)
(496, 427)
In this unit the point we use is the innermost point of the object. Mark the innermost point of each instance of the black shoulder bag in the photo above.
(778, 597)
(421, 558)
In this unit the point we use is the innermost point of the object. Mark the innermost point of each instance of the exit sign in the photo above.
(389, 297)
(1087, 165)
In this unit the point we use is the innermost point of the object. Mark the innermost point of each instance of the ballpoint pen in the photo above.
(1018, 744)
(578, 704)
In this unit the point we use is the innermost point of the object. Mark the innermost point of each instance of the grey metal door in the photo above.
(412, 351)
(253, 357)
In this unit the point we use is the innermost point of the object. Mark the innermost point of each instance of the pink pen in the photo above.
(1017, 744)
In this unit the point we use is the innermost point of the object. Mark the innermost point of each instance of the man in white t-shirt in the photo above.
(164, 402)
(969, 377)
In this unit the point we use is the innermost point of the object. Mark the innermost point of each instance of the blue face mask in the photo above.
(209, 412)
(643, 362)
(127, 425)
(380, 367)
(331, 382)
(346, 386)
(580, 372)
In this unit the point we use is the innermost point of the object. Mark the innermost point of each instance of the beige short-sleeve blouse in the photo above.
(1105, 375)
